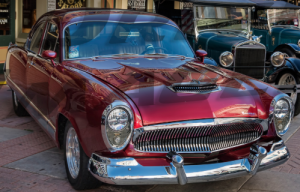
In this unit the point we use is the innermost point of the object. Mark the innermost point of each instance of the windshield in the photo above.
(91, 39)
(221, 18)
(279, 16)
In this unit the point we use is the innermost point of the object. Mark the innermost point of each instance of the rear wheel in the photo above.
(18, 108)
(288, 51)
(76, 162)
(289, 79)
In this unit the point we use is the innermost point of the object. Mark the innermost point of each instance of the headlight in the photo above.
(118, 123)
(278, 59)
(226, 59)
(299, 43)
(282, 109)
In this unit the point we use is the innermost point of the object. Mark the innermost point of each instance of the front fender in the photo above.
(292, 66)
(293, 47)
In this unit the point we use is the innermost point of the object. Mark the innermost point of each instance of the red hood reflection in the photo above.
(146, 81)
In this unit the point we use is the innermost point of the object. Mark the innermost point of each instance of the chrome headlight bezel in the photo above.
(105, 128)
(275, 56)
(224, 54)
(272, 117)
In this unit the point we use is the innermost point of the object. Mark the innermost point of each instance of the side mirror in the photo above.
(48, 54)
(201, 54)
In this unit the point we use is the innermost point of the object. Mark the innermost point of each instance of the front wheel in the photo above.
(76, 162)
(289, 79)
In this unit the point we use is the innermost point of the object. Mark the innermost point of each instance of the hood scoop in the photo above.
(194, 87)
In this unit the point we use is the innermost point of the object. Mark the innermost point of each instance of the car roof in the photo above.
(270, 4)
(69, 16)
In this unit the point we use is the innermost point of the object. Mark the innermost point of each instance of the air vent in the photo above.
(194, 87)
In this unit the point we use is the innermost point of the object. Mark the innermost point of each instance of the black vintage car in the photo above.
(223, 30)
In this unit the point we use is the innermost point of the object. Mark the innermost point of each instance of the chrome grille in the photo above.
(198, 139)
(250, 60)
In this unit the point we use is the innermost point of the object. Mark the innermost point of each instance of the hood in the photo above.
(217, 42)
(147, 80)
(286, 33)
(220, 41)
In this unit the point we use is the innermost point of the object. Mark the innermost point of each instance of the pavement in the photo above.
(29, 161)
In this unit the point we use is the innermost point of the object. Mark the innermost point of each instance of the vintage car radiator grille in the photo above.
(198, 139)
(250, 60)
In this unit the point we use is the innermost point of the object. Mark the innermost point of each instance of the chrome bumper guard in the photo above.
(127, 171)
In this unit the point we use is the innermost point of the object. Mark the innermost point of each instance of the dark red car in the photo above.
(126, 98)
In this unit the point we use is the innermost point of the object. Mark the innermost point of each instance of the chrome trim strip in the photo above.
(127, 171)
(205, 122)
(30, 102)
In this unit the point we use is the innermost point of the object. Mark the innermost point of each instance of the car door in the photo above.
(37, 77)
(51, 42)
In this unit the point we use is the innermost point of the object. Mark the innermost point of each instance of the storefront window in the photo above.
(4, 17)
(29, 15)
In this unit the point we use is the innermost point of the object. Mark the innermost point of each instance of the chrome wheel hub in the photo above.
(73, 153)
(16, 99)
(289, 79)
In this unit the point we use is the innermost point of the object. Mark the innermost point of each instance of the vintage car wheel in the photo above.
(18, 107)
(76, 162)
(288, 52)
(289, 79)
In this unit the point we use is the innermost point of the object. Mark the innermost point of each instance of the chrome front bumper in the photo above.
(127, 171)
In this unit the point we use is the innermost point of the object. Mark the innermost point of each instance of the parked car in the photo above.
(277, 22)
(225, 33)
(122, 93)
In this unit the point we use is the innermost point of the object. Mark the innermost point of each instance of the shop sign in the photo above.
(137, 4)
(186, 5)
(63, 4)
(183, 5)
(51, 5)
(3, 21)
(3, 11)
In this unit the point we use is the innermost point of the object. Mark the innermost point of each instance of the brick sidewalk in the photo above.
(293, 164)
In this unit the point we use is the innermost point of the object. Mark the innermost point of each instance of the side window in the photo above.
(51, 41)
(36, 38)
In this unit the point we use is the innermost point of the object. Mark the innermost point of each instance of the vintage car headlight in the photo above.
(282, 110)
(118, 121)
(278, 59)
(226, 59)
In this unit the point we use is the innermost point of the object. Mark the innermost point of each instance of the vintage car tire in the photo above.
(84, 179)
(282, 81)
(20, 111)
(288, 51)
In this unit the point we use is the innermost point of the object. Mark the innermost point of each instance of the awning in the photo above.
(270, 4)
